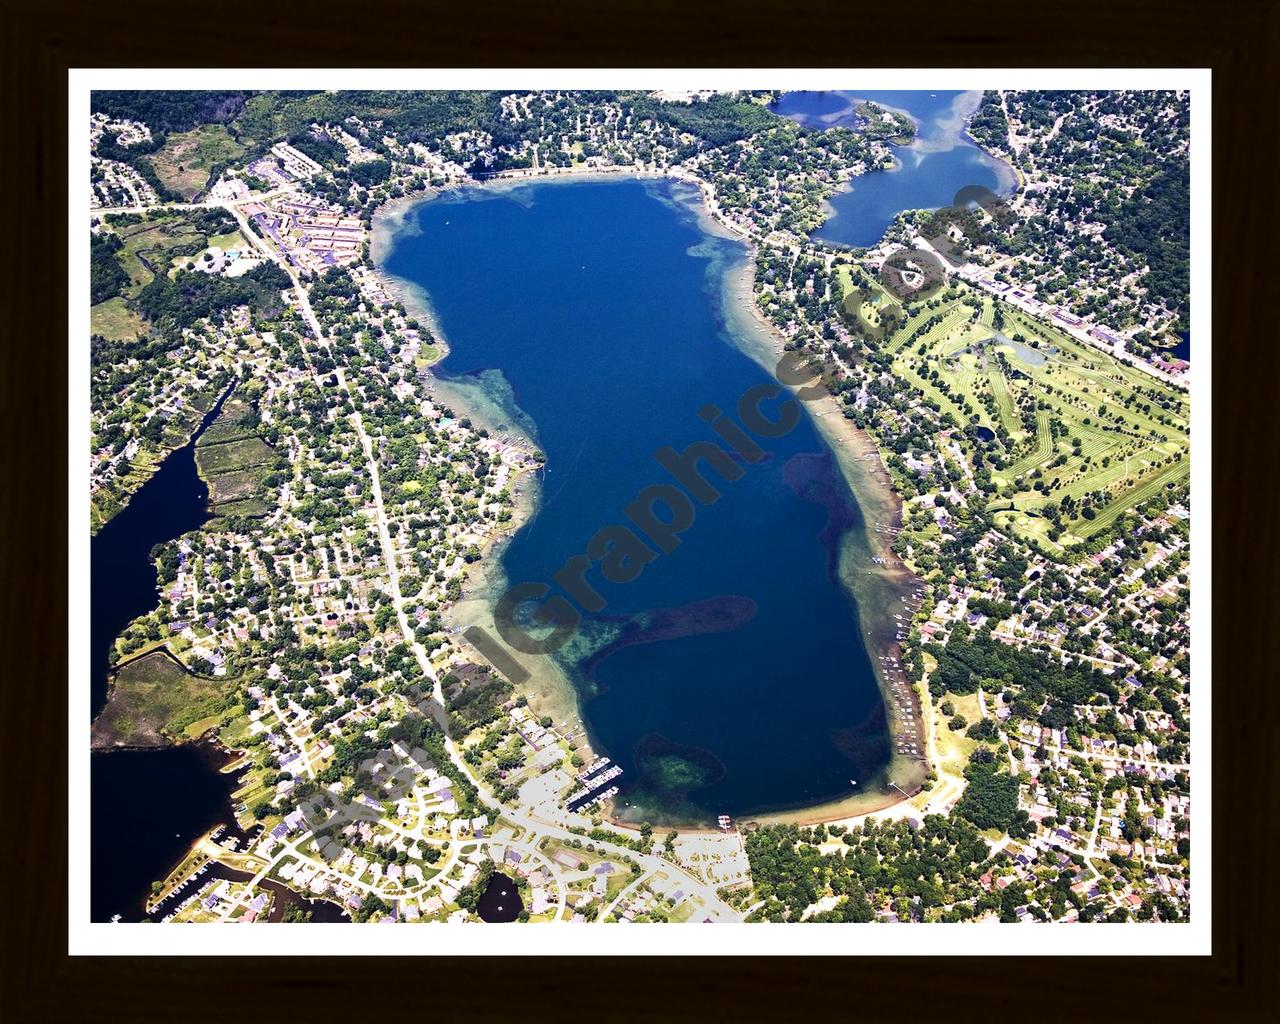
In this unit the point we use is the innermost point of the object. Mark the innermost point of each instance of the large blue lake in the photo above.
(602, 304)
(928, 173)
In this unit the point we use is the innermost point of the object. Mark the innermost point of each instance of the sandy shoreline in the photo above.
(549, 689)
(876, 588)
(552, 692)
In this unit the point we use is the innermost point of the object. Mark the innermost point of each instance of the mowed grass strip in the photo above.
(1041, 452)
(905, 332)
(1004, 400)
(1177, 473)
(233, 455)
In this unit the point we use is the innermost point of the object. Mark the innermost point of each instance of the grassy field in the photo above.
(115, 321)
(235, 461)
(233, 424)
(687, 910)
(187, 157)
(235, 485)
(231, 455)
(152, 245)
(232, 240)
(589, 858)
(1079, 435)
(154, 699)
(953, 746)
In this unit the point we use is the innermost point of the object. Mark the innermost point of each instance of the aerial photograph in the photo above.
(756, 507)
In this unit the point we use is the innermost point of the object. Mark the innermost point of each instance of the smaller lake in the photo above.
(927, 173)
(500, 901)
(147, 808)
(1022, 351)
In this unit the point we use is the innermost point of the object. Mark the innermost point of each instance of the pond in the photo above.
(1022, 351)
(500, 902)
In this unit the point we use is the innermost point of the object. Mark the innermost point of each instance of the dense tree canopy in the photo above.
(189, 296)
(106, 275)
(168, 110)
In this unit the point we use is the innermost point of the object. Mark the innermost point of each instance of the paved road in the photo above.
(1081, 334)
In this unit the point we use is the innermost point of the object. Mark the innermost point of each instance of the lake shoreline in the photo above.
(205, 762)
(549, 688)
(872, 488)
(759, 340)
(155, 460)
(937, 136)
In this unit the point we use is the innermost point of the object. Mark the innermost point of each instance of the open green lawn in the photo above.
(232, 240)
(187, 157)
(1030, 526)
(687, 909)
(115, 321)
(953, 747)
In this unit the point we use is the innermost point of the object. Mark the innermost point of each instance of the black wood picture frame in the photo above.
(1238, 39)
